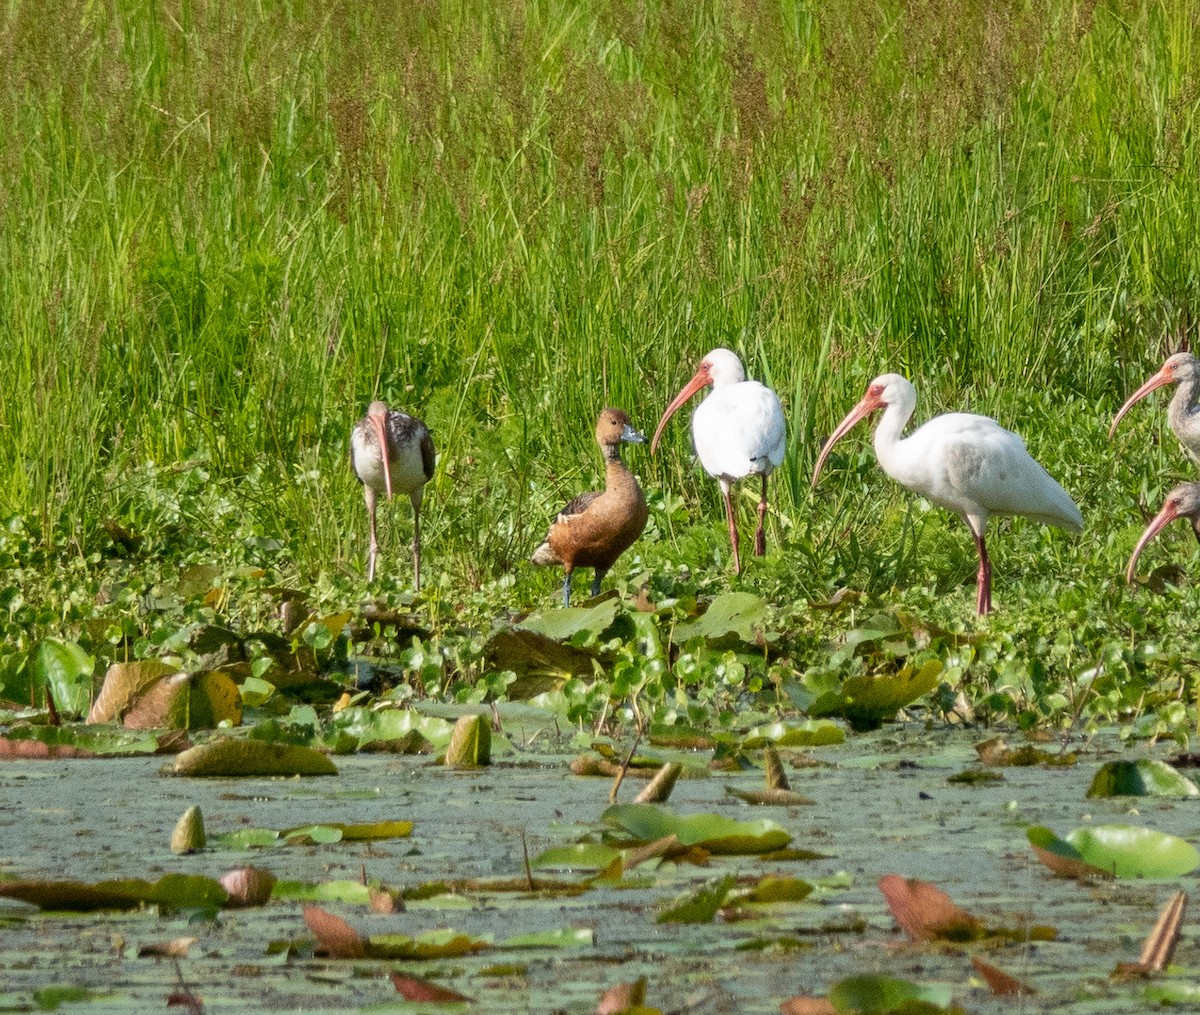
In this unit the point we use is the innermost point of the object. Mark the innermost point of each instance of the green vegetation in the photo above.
(226, 227)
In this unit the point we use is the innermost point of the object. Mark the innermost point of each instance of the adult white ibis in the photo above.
(1183, 414)
(965, 463)
(1182, 502)
(738, 431)
(392, 451)
(595, 528)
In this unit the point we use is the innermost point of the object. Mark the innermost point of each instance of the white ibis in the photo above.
(1183, 414)
(392, 451)
(595, 528)
(965, 463)
(738, 431)
(1182, 502)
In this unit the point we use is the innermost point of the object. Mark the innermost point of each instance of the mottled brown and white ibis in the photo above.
(595, 528)
(392, 452)
(965, 463)
(738, 431)
(1183, 414)
(1182, 502)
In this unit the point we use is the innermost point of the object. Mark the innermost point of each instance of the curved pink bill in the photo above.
(378, 423)
(1167, 515)
(1157, 381)
(697, 382)
(868, 404)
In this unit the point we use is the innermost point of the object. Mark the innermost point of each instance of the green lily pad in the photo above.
(389, 726)
(1144, 777)
(583, 856)
(563, 625)
(436, 944)
(741, 614)
(868, 701)
(717, 834)
(354, 892)
(810, 733)
(176, 891)
(700, 906)
(878, 995)
(312, 835)
(561, 937)
(1123, 851)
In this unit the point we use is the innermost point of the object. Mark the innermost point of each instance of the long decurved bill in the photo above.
(1167, 515)
(1157, 381)
(377, 421)
(868, 404)
(697, 382)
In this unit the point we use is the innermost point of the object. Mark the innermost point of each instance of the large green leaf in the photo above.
(563, 625)
(1123, 851)
(740, 614)
(699, 906)
(65, 670)
(867, 701)
(810, 733)
(717, 834)
(879, 995)
(1144, 777)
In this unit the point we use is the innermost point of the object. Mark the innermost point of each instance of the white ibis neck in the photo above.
(889, 444)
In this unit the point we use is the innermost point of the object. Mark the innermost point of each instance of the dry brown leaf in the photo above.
(998, 981)
(334, 935)
(123, 684)
(622, 997)
(384, 901)
(775, 775)
(174, 949)
(1068, 867)
(1160, 945)
(925, 912)
(412, 988)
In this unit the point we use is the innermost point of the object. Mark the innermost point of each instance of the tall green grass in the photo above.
(228, 226)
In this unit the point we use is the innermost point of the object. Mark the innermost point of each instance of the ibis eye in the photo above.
(875, 389)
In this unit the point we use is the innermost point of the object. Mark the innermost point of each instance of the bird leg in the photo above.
(760, 537)
(416, 503)
(983, 582)
(599, 576)
(733, 536)
(369, 494)
(567, 589)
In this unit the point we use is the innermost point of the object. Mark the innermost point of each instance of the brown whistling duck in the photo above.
(401, 461)
(597, 527)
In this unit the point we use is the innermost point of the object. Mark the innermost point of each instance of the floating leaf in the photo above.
(998, 981)
(471, 743)
(583, 856)
(179, 891)
(1061, 857)
(926, 913)
(877, 995)
(354, 892)
(436, 944)
(777, 889)
(740, 614)
(231, 756)
(770, 797)
(308, 835)
(699, 906)
(76, 740)
(717, 834)
(391, 726)
(562, 937)
(867, 701)
(1144, 777)
(413, 988)
(335, 937)
(563, 625)
(1124, 851)
(810, 733)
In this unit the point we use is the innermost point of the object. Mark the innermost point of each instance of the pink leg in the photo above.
(760, 536)
(369, 494)
(983, 582)
(733, 536)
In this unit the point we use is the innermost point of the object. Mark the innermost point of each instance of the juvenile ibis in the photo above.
(1182, 502)
(595, 528)
(392, 451)
(1183, 414)
(738, 431)
(965, 463)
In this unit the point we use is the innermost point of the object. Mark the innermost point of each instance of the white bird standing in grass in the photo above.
(392, 450)
(1183, 414)
(965, 463)
(738, 431)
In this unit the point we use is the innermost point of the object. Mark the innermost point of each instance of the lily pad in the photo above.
(1144, 777)
(563, 625)
(868, 701)
(810, 733)
(234, 757)
(583, 856)
(1123, 851)
(740, 614)
(715, 833)
(700, 906)
(878, 995)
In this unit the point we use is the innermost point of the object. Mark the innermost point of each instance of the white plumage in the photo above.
(965, 463)
(738, 431)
